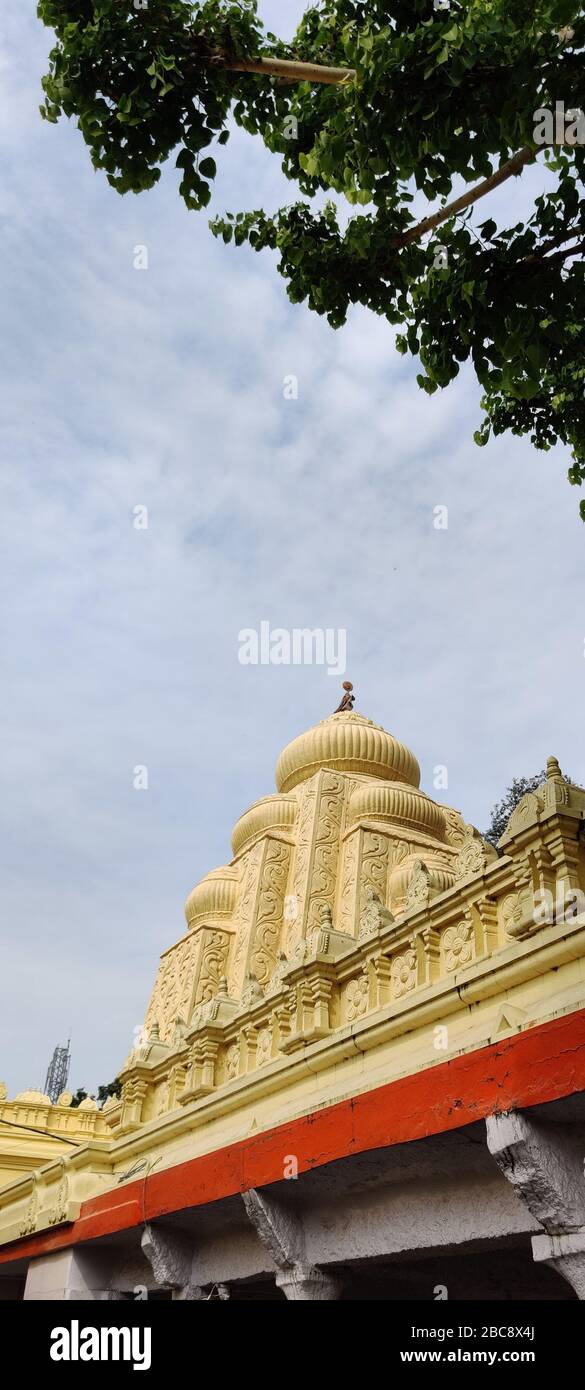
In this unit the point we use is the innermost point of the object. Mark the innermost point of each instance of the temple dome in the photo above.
(346, 742)
(271, 813)
(393, 802)
(214, 896)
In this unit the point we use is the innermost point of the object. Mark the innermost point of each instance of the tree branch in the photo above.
(506, 171)
(562, 255)
(290, 69)
(512, 166)
(542, 251)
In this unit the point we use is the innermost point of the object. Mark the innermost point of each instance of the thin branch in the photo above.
(506, 171)
(289, 69)
(562, 255)
(541, 251)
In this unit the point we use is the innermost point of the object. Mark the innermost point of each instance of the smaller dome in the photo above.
(346, 742)
(271, 813)
(393, 801)
(440, 877)
(214, 896)
(33, 1098)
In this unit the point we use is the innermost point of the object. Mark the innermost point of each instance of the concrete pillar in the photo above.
(544, 1164)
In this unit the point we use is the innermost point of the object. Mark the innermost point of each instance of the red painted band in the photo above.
(543, 1064)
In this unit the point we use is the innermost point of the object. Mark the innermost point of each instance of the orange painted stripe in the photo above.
(543, 1064)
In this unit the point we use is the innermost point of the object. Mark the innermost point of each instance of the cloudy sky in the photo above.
(164, 389)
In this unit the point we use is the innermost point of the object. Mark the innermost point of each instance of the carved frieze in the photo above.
(457, 945)
(356, 998)
(403, 972)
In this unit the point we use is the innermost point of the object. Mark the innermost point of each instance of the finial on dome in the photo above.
(347, 700)
(553, 771)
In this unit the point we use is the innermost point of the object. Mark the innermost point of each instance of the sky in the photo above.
(164, 389)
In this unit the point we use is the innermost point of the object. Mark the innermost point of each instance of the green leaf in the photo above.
(208, 168)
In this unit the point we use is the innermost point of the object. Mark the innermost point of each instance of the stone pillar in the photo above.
(544, 1164)
(281, 1231)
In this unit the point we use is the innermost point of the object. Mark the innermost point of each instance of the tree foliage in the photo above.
(502, 811)
(441, 97)
(113, 1088)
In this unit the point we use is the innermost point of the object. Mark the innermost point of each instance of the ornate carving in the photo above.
(403, 972)
(263, 954)
(356, 998)
(278, 974)
(374, 868)
(525, 813)
(232, 1062)
(349, 882)
(173, 987)
(473, 855)
(264, 1047)
(29, 1222)
(455, 826)
(213, 965)
(323, 876)
(512, 914)
(251, 992)
(374, 916)
(203, 1058)
(58, 1212)
(419, 888)
(302, 860)
(245, 916)
(457, 945)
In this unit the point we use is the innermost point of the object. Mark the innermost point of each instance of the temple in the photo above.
(362, 1069)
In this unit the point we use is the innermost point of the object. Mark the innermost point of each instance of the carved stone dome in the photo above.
(395, 802)
(346, 742)
(214, 896)
(271, 813)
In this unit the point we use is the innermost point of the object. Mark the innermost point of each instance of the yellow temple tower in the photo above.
(365, 1053)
